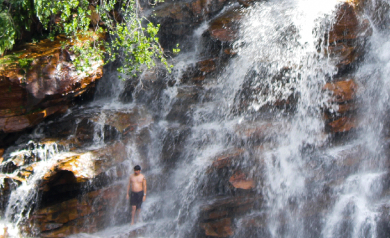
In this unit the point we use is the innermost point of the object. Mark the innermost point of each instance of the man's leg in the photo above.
(137, 214)
(133, 208)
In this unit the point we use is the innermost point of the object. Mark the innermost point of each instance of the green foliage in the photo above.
(176, 50)
(25, 62)
(132, 39)
(7, 32)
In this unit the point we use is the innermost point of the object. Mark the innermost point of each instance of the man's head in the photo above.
(137, 169)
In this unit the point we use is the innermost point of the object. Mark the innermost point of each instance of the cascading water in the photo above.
(361, 204)
(275, 35)
(262, 115)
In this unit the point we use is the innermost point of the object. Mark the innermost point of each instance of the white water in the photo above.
(22, 200)
(359, 206)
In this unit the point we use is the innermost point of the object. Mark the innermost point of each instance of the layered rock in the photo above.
(225, 27)
(217, 218)
(39, 81)
(340, 117)
(347, 37)
(178, 19)
(85, 214)
(83, 181)
(347, 41)
(77, 191)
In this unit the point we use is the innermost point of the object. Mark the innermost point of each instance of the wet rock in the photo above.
(198, 72)
(343, 124)
(84, 127)
(88, 165)
(21, 122)
(125, 122)
(221, 34)
(257, 221)
(40, 81)
(255, 93)
(207, 66)
(343, 94)
(173, 141)
(260, 132)
(75, 215)
(65, 178)
(225, 27)
(342, 91)
(220, 228)
(240, 180)
(216, 217)
(186, 97)
(227, 159)
(178, 19)
(378, 12)
(136, 232)
(348, 36)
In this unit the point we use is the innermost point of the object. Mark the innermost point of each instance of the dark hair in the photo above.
(137, 167)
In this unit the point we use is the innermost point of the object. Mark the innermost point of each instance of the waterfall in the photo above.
(261, 116)
(360, 204)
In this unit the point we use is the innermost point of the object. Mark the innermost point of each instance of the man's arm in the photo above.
(128, 188)
(144, 188)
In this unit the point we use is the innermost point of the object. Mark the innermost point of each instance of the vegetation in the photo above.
(132, 39)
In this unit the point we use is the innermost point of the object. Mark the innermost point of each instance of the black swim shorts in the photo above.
(136, 199)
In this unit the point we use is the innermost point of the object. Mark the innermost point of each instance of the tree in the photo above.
(114, 29)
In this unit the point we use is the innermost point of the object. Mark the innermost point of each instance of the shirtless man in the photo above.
(137, 183)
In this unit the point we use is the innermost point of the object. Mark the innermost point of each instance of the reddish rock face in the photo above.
(227, 159)
(39, 81)
(348, 35)
(69, 217)
(240, 180)
(220, 228)
(21, 122)
(225, 27)
(342, 91)
(343, 124)
(217, 217)
(72, 215)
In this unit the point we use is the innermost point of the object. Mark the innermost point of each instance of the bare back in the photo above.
(136, 182)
